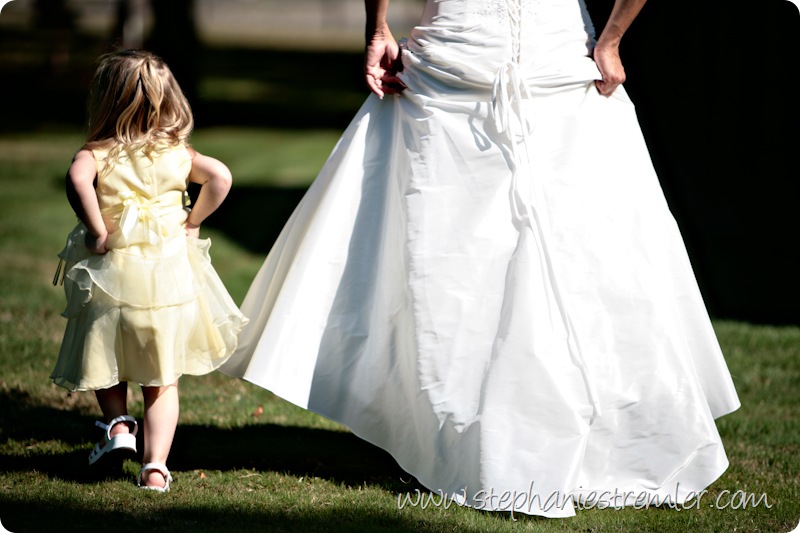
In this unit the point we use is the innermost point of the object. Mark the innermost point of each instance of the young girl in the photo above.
(143, 301)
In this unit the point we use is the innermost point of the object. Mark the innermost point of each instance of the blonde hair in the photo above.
(136, 102)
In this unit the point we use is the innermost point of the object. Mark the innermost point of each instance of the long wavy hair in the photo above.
(135, 102)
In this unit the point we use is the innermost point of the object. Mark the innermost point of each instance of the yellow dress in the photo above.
(152, 308)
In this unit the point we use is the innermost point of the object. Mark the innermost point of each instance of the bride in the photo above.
(485, 279)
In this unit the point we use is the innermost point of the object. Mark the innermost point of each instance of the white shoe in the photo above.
(155, 466)
(122, 441)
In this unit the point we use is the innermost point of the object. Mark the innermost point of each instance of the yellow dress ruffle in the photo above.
(152, 308)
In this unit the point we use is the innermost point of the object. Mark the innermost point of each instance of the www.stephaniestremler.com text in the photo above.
(530, 500)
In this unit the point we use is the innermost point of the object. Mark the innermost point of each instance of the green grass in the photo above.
(246, 460)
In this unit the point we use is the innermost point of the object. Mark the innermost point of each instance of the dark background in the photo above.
(714, 84)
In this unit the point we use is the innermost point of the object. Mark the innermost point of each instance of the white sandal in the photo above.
(164, 472)
(122, 441)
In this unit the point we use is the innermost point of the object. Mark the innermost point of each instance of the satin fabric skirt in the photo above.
(485, 280)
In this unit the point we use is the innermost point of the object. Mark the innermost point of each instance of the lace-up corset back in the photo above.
(473, 39)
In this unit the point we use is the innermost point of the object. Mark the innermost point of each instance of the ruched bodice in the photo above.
(464, 44)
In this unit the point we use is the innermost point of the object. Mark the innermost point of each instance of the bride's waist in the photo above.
(431, 67)
(524, 15)
(486, 43)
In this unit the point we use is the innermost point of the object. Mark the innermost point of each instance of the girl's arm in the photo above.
(83, 199)
(606, 52)
(382, 57)
(216, 180)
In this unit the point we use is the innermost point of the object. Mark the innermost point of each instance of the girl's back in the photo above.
(143, 196)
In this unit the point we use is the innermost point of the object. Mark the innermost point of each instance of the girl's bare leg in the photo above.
(113, 403)
(161, 409)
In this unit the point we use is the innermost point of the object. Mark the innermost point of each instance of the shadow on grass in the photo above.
(336, 456)
(339, 457)
(195, 518)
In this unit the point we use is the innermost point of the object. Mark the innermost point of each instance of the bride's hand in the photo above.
(382, 62)
(611, 69)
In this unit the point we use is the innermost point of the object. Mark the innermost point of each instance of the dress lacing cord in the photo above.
(508, 92)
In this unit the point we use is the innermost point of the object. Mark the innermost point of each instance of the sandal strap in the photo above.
(123, 418)
(162, 469)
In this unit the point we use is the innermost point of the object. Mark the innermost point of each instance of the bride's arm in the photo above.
(382, 57)
(606, 52)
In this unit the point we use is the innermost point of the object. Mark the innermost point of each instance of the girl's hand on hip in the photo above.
(192, 231)
(95, 244)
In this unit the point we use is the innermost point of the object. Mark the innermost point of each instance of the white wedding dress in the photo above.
(485, 279)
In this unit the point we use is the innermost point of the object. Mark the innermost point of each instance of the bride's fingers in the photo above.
(381, 82)
(601, 87)
(606, 88)
(374, 85)
(610, 81)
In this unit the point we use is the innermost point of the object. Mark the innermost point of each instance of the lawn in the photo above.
(246, 460)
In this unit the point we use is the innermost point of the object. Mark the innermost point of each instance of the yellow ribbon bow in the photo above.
(137, 210)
